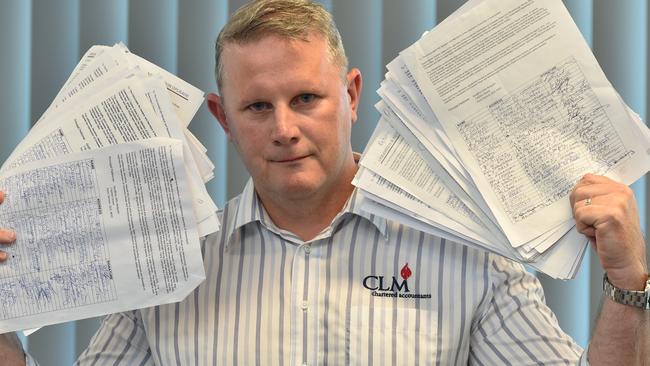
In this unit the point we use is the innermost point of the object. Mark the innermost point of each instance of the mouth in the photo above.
(290, 159)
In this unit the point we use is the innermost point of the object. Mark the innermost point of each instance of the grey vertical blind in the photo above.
(199, 21)
(42, 40)
(360, 24)
(15, 72)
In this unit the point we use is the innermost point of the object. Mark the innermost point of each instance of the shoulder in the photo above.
(493, 265)
(226, 217)
(448, 251)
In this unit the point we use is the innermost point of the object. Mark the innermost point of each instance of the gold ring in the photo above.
(588, 201)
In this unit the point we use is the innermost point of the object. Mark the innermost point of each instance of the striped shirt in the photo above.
(365, 291)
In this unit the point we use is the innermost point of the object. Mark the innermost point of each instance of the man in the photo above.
(295, 274)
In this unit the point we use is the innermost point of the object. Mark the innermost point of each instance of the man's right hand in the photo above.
(6, 236)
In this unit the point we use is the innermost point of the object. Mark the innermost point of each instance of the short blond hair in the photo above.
(291, 19)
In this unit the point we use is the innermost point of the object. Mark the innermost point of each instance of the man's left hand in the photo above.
(605, 211)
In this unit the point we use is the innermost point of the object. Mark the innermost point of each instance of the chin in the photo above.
(298, 188)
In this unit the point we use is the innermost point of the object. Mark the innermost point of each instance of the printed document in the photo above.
(487, 123)
(106, 194)
(98, 232)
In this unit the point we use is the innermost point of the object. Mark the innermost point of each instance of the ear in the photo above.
(215, 105)
(354, 84)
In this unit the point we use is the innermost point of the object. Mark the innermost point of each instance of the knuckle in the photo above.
(577, 191)
(627, 192)
(616, 216)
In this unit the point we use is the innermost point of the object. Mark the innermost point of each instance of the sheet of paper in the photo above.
(396, 107)
(185, 97)
(560, 262)
(503, 107)
(457, 183)
(119, 113)
(111, 98)
(204, 208)
(525, 126)
(391, 195)
(102, 65)
(99, 232)
(417, 111)
(129, 109)
(403, 165)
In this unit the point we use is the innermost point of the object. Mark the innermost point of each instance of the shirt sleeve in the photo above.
(120, 340)
(30, 361)
(514, 325)
(583, 357)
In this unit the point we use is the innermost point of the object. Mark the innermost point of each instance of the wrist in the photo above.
(629, 279)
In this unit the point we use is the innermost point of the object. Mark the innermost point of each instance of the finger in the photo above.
(586, 230)
(7, 236)
(583, 192)
(585, 180)
(3, 256)
(595, 179)
(589, 181)
(600, 188)
(584, 225)
(608, 213)
(620, 205)
(586, 215)
(580, 204)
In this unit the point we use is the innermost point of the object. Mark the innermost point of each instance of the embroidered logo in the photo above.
(384, 286)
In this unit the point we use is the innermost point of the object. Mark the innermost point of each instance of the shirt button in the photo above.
(307, 249)
(304, 306)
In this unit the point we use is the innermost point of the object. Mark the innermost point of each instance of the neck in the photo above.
(307, 216)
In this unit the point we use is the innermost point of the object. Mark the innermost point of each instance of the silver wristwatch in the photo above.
(639, 299)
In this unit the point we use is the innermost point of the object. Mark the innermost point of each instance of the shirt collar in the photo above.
(353, 207)
(249, 209)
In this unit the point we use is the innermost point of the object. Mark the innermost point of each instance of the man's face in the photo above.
(288, 111)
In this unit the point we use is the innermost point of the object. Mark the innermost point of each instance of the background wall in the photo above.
(42, 40)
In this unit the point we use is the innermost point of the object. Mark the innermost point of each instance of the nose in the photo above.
(285, 129)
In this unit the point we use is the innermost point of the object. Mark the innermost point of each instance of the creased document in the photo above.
(501, 107)
(527, 107)
(98, 232)
(107, 196)
(121, 104)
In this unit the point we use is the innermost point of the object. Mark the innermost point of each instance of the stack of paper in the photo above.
(488, 121)
(107, 196)
(102, 92)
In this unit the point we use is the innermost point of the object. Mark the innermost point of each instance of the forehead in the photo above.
(275, 57)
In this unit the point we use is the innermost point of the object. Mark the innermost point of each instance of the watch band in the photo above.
(639, 299)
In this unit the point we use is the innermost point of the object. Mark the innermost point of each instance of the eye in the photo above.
(305, 98)
(259, 107)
